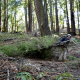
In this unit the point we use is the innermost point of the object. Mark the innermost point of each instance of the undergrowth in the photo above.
(65, 76)
(29, 47)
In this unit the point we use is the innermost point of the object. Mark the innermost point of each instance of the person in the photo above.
(65, 39)
(64, 49)
(68, 37)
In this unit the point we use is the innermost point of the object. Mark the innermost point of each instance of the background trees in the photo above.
(46, 16)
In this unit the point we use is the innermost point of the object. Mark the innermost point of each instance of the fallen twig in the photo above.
(7, 73)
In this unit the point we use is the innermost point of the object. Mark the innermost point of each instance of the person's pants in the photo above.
(63, 54)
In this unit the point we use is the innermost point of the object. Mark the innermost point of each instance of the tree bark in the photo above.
(25, 9)
(51, 17)
(78, 17)
(33, 23)
(0, 15)
(68, 27)
(42, 18)
(45, 27)
(30, 15)
(57, 23)
(72, 18)
(7, 17)
(38, 14)
(15, 15)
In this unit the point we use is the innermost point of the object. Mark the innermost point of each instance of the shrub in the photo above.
(24, 76)
(33, 47)
(65, 76)
(10, 50)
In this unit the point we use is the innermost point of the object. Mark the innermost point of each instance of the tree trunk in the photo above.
(57, 23)
(45, 27)
(15, 19)
(17, 27)
(51, 17)
(78, 17)
(25, 9)
(72, 18)
(7, 17)
(11, 23)
(33, 23)
(4, 24)
(38, 14)
(0, 15)
(68, 28)
(30, 15)
(42, 18)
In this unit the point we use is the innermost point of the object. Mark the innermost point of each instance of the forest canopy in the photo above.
(45, 16)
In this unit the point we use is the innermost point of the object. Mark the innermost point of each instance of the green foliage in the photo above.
(47, 41)
(72, 57)
(10, 50)
(78, 51)
(33, 47)
(24, 76)
(40, 75)
(5, 36)
(65, 76)
(76, 40)
(2, 38)
(28, 76)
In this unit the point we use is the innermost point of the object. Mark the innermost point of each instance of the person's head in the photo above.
(69, 36)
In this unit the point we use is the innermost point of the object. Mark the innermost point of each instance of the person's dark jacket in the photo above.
(64, 39)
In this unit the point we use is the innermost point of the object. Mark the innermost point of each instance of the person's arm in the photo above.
(63, 39)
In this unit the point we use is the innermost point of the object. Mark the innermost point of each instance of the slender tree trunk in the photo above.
(17, 27)
(33, 23)
(7, 17)
(68, 28)
(57, 23)
(30, 15)
(15, 15)
(26, 20)
(62, 7)
(4, 24)
(15, 19)
(25, 9)
(45, 6)
(0, 15)
(51, 17)
(11, 22)
(78, 17)
(63, 18)
(63, 24)
(72, 18)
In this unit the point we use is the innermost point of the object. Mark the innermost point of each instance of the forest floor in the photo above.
(41, 69)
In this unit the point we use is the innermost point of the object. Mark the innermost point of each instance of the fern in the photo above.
(24, 76)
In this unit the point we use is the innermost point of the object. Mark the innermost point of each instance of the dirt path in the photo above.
(49, 69)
